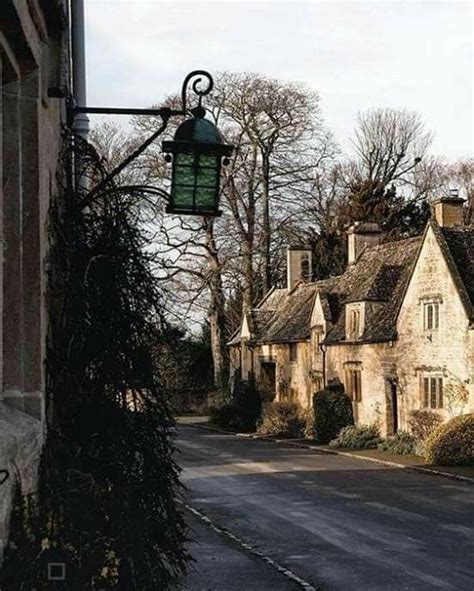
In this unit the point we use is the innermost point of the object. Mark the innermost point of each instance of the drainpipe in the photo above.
(81, 120)
(323, 351)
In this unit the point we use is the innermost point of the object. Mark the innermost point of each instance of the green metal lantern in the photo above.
(197, 151)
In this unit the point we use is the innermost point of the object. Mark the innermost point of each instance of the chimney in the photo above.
(298, 266)
(360, 236)
(449, 211)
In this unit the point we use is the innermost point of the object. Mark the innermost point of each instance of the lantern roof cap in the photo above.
(198, 129)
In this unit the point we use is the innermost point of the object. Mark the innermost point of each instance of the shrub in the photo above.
(401, 443)
(452, 443)
(224, 416)
(285, 419)
(422, 424)
(357, 437)
(241, 413)
(332, 410)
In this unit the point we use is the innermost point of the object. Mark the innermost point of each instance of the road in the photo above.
(338, 523)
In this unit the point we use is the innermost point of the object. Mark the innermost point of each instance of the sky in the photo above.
(358, 54)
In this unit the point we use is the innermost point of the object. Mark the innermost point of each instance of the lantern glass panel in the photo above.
(205, 197)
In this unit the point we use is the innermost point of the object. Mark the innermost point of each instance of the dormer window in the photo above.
(431, 316)
(354, 321)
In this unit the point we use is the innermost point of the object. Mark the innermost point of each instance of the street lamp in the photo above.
(197, 152)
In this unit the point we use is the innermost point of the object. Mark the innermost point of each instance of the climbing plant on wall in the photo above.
(106, 504)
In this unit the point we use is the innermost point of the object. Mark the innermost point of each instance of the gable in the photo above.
(431, 279)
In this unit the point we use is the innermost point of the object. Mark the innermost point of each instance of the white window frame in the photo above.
(431, 316)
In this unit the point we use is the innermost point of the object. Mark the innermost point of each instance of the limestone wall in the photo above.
(446, 351)
(33, 57)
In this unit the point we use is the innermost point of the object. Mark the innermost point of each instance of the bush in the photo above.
(224, 416)
(452, 443)
(285, 419)
(422, 424)
(332, 410)
(361, 437)
(402, 443)
(241, 413)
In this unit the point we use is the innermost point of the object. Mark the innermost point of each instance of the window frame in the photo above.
(431, 316)
(354, 383)
(431, 391)
(293, 352)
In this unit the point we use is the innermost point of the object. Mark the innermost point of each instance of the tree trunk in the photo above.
(216, 312)
(266, 230)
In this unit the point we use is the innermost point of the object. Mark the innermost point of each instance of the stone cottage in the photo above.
(35, 72)
(396, 328)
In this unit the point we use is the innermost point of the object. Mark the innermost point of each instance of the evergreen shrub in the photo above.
(452, 443)
(358, 437)
(332, 410)
(242, 412)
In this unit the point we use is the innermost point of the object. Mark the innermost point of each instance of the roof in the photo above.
(379, 277)
(458, 247)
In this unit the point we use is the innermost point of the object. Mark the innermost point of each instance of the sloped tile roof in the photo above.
(380, 275)
(458, 247)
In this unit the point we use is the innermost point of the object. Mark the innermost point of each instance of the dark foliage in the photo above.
(185, 365)
(332, 411)
(242, 412)
(106, 501)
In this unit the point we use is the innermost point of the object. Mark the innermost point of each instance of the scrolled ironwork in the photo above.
(200, 92)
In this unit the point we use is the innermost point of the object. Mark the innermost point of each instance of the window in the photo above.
(354, 384)
(354, 324)
(432, 392)
(293, 352)
(431, 316)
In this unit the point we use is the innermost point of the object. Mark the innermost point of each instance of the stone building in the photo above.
(396, 328)
(34, 58)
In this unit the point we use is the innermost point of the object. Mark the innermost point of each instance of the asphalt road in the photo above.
(336, 522)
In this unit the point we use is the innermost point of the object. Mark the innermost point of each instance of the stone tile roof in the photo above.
(458, 247)
(379, 277)
(380, 274)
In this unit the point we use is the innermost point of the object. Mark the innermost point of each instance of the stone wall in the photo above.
(446, 351)
(33, 58)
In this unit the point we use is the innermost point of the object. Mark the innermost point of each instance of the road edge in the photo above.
(430, 471)
(289, 574)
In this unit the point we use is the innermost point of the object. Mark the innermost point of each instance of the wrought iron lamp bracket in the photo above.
(192, 81)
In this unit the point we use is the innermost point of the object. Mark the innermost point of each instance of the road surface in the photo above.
(335, 522)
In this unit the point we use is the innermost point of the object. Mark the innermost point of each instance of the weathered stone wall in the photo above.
(447, 351)
(376, 363)
(33, 57)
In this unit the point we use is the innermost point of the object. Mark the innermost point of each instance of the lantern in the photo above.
(197, 151)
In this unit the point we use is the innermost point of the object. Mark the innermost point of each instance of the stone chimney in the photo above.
(360, 236)
(298, 266)
(449, 211)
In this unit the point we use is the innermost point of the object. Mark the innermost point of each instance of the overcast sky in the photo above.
(358, 54)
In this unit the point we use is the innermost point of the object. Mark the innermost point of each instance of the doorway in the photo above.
(268, 381)
(393, 407)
